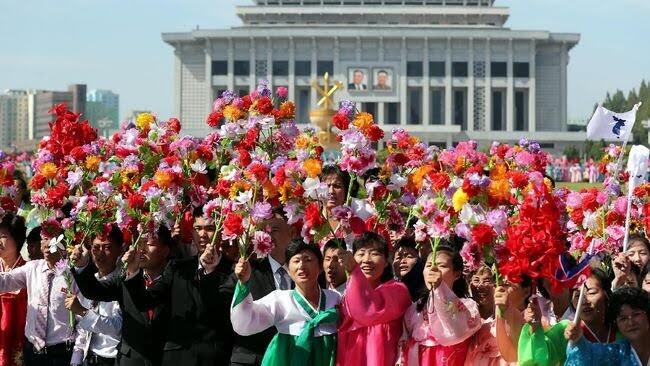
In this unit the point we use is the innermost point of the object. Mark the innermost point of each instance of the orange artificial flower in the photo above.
(313, 167)
(92, 162)
(48, 170)
(162, 179)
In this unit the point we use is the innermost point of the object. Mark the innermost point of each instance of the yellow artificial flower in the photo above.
(499, 190)
(144, 121)
(459, 199)
(92, 162)
(417, 177)
(232, 113)
(313, 167)
(238, 186)
(162, 178)
(363, 120)
(130, 176)
(302, 142)
(48, 170)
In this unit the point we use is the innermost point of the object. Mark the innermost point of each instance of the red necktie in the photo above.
(147, 284)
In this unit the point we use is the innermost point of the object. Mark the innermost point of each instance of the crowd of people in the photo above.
(173, 301)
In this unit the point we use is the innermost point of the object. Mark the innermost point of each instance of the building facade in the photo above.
(445, 70)
(103, 110)
(74, 98)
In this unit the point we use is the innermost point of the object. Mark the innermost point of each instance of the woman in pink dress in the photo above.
(13, 305)
(440, 324)
(372, 308)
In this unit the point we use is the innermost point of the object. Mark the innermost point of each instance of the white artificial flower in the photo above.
(199, 167)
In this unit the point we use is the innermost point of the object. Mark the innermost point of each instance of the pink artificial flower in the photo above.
(262, 244)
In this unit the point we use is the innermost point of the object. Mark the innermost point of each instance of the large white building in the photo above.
(446, 70)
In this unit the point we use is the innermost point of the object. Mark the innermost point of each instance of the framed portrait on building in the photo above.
(358, 79)
(382, 78)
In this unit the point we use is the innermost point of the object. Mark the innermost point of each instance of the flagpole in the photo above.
(630, 193)
(617, 169)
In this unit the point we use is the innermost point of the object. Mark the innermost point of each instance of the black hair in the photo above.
(406, 242)
(165, 238)
(298, 245)
(414, 280)
(115, 235)
(604, 280)
(638, 237)
(372, 173)
(644, 273)
(34, 235)
(22, 184)
(382, 71)
(636, 272)
(633, 297)
(15, 225)
(333, 169)
(376, 241)
(198, 211)
(335, 243)
(459, 287)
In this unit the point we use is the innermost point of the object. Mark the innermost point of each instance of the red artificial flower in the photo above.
(135, 201)
(341, 121)
(258, 172)
(244, 158)
(518, 179)
(214, 119)
(204, 153)
(399, 159)
(374, 133)
(186, 225)
(232, 225)
(54, 196)
(37, 182)
(264, 105)
(589, 202)
(78, 154)
(249, 140)
(223, 188)
(502, 150)
(357, 225)
(313, 218)
(174, 125)
(318, 151)
(7, 204)
(246, 102)
(483, 234)
(439, 181)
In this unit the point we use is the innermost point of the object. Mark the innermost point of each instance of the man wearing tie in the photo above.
(267, 275)
(357, 78)
(51, 339)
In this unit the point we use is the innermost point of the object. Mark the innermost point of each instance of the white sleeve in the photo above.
(14, 280)
(110, 325)
(249, 317)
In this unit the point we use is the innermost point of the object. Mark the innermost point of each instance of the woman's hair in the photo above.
(604, 280)
(406, 242)
(15, 225)
(298, 245)
(639, 238)
(459, 287)
(373, 240)
(22, 184)
(332, 169)
(414, 280)
(631, 296)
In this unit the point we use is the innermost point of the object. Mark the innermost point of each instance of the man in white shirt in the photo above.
(51, 339)
(101, 320)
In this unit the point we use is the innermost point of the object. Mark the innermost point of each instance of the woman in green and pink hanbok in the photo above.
(305, 317)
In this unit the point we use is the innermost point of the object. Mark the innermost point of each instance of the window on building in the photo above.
(521, 69)
(499, 69)
(280, 68)
(370, 108)
(414, 68)
(521, 111)
(497, 111)
(242, 92)
(391, 113)
(323, 67)
(303, 68)
(415, 106)
(219, 67)
(460, 109)
(459, 69)
(242, 68)
(302, 107)
(261, 68)
(437, 106)
(437, 69)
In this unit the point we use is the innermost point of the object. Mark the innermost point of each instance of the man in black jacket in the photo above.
(197, 331)
(267, 275)
(142, 331)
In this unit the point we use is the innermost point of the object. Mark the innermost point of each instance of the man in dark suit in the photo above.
(357, 81)
(142, 331)
(197, 333)
(267, 275)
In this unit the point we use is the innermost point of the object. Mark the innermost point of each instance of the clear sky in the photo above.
(117, 44)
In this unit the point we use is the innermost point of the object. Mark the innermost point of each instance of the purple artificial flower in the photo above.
(228, 96)
(263, 88)
(498, 219)
(262, 211)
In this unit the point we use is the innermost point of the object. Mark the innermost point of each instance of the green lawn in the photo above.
(578, 186)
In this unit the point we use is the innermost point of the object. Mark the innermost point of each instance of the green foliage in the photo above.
(571, 152)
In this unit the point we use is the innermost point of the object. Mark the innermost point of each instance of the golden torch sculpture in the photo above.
(322, 116)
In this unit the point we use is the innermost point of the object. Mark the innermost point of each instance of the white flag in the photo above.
(610, 126)
(637, 164)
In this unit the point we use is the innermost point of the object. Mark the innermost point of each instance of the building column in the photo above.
(231, 65)
(208, 75)
(448, 86)
(563, 87)
(488, 86)
(426, 85)
(510, 91)
(178, 90)
(381, 49)
(252, 82)
(470, 87)
(269, 62)
(403, 90)
(292, 69)
(532, 89)
(314, 76)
